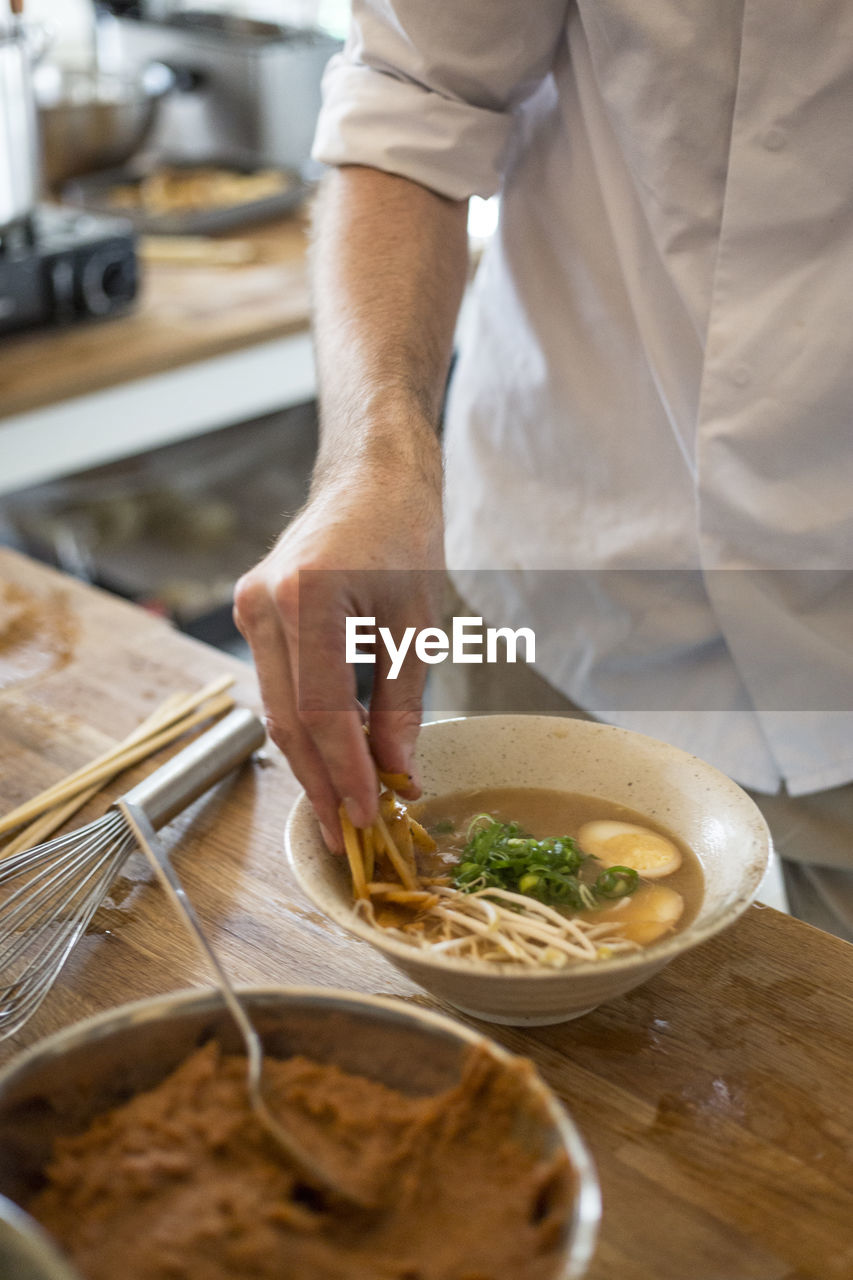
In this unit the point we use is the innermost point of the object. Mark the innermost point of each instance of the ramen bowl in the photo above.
(61, 1084)
(707, 810)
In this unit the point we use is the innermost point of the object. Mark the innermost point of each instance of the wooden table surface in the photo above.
(184, 313)
(716, 1099)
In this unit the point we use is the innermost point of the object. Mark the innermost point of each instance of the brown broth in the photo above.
(547, 813)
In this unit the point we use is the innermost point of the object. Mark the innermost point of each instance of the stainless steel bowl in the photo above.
(89, 121)
(26, 1252)
(62, 1083)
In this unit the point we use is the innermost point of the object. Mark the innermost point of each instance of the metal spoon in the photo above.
(151, 846)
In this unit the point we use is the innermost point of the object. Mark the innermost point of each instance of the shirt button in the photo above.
(774, 139)
(741, 375)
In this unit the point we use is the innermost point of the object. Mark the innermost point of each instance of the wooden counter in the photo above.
(184, 313)
(716, 1099)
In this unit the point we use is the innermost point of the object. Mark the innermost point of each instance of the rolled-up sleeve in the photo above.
(430, 90)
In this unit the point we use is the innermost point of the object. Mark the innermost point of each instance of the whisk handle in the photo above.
(195, 769)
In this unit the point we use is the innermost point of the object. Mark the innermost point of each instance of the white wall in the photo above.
(69, 22)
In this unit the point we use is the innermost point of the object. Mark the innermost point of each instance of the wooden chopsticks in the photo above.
(56, 804)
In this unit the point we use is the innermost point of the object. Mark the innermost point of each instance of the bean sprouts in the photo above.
(494, 925)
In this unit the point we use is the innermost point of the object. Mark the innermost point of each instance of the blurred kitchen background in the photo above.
(157, 411)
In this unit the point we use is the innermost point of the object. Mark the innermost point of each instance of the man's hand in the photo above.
(372, 548)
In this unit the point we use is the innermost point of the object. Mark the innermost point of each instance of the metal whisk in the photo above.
(49, 894)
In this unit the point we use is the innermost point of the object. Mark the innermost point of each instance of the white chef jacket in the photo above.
(649, 443)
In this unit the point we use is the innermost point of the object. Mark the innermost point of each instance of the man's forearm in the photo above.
(389, 269)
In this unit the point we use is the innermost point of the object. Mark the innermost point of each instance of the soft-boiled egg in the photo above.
(648, 914)
(626, 844)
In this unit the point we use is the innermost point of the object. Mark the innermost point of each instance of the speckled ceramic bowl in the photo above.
(715, 817)
(59, 1085)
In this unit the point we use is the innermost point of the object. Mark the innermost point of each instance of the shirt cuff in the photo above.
(371, 118)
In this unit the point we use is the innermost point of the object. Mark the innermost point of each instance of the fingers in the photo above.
(313, 609)
(295, 622)
(396, 708)
(257, 619)
(308, 691)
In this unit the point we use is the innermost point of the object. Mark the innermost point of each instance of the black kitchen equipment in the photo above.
(58, 266)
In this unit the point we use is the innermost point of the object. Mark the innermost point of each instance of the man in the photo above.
(652, 403)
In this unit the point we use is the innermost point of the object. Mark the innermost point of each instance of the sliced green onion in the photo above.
(502, 855)
(616, 882)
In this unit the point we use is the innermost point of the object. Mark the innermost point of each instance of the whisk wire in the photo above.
(40, 955)
(14, 924)
(33, 895)
(39, 856)
(72, 925)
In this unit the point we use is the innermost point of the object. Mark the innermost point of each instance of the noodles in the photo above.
(485, 926)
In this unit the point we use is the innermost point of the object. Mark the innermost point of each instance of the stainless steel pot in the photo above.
(26, 1252)
(20, 45)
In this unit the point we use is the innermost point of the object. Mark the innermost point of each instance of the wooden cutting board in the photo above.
(716, 1099)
